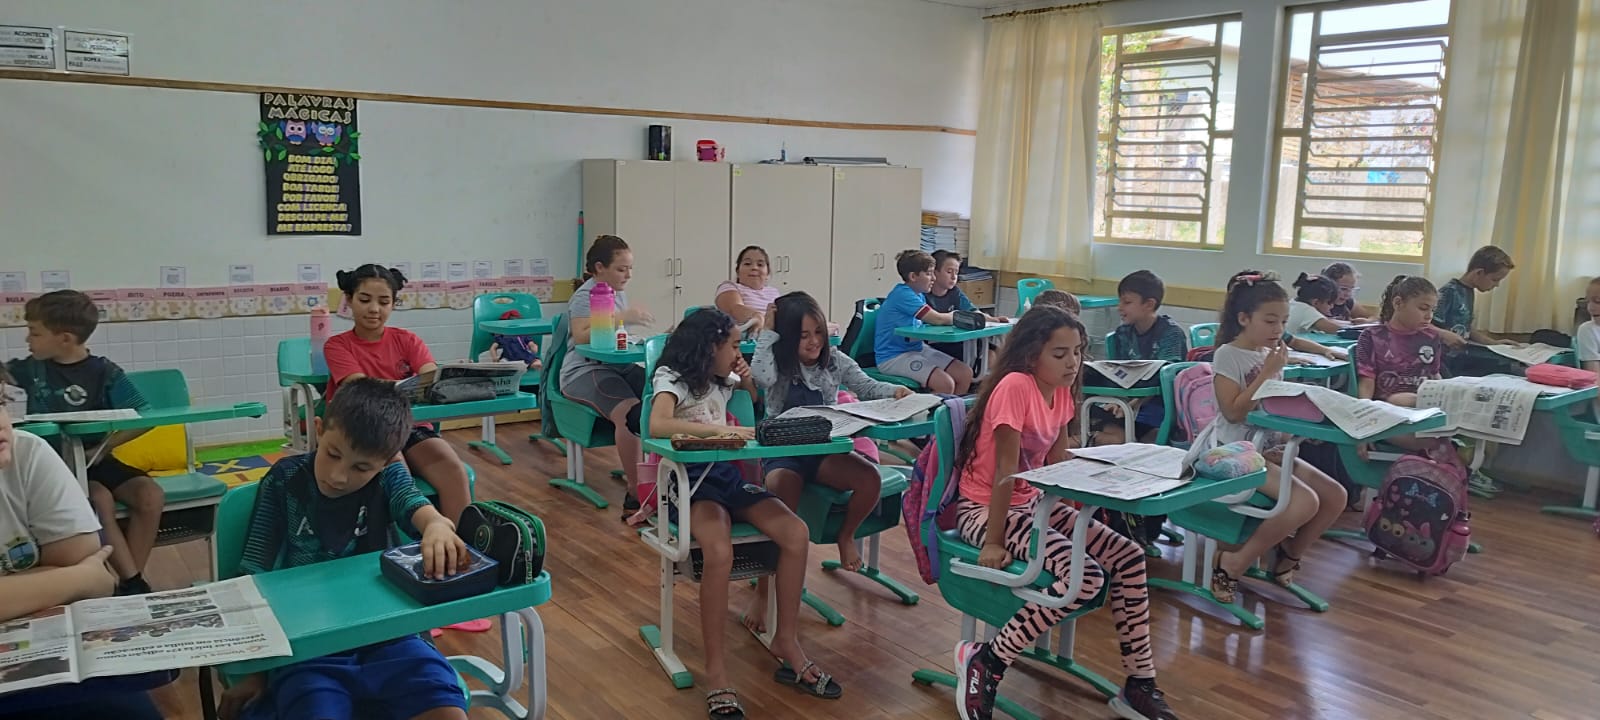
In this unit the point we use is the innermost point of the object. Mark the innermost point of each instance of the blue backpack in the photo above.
(921, 521)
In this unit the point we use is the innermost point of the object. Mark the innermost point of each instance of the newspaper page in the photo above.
(83, 416)
(1157, 460)
(212, 624)
(1356, 417)
(843, 425)
(506, 375)
(1526, 354)
(1127, 373)
(37, 650)
(1099, 478)
(1496, 407)
(1304, 358)
(891, 410)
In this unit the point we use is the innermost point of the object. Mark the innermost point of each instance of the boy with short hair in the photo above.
(61, 375)
(947, 296)
(907, 306)
(339, 502)
(1059, 298)
(1144, 334)
(1453, 315)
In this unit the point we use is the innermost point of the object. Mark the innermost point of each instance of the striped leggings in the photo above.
(1109, 553)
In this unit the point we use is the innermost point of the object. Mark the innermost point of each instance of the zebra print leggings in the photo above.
(1108, 553)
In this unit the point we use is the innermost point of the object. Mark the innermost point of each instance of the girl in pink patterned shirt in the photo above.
(748, 295)
(1396, 356)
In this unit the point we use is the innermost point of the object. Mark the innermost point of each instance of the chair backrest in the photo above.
(1169, 400)
(1111, 346)
(861, 350)
(294, 356)
(1202, 335)
(1028, 289)
(740, 405)
(491, 307)
(164, 388)
(554, 354)
(233, 522)
(690, 310)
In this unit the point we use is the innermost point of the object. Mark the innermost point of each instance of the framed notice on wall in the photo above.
(310, 145)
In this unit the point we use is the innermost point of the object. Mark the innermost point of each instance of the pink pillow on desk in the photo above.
(1294, 407)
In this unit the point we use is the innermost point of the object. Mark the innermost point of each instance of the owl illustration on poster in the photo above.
(310, 150)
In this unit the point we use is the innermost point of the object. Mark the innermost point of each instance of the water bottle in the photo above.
(321, 328)
(602, 317)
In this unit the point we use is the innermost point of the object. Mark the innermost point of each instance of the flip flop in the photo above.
(824, 687)
(473, 626)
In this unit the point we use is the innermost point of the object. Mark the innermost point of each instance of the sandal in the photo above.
(724, 704)
(1224, 587)
(823, 687)
(1280, 576)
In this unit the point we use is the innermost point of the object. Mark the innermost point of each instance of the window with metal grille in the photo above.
(1166, 129)
(1358, 129)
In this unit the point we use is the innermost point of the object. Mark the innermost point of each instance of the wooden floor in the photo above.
(1514, 633)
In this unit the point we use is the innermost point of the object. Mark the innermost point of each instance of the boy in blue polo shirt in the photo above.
(333, 504)
(907, 306)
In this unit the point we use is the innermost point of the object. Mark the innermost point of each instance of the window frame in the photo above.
(1281, 133)
(1103, 200)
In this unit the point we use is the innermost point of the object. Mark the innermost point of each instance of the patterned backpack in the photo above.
(1420, 516)
(922, 523)
(1195, 399)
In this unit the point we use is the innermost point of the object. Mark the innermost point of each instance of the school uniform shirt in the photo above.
(1588, 341)
(1016, 403)
(1301, 317)
(951, 301)
(1241, 366)
(395, 356)
(40, 503)
(710, 408)
(573, 364)
(1455, 308)
(294, 524)
(1163, 341)
(93, 383)
(1398, 361)
(903, 307)
(756, 300)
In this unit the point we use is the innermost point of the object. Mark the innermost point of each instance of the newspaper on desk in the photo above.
(83, 416)
(1526, 354)
(1127, 373)
(1495, 407)
(1122, 472)
(1304, 358)
(506, 376)
(851, 418)
(1355, 417)
(217, 623)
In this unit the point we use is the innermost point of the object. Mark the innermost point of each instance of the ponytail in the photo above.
(1247, 290)
(1312, 288)
(1403, 288)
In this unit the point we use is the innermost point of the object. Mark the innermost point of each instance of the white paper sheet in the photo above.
(83, 416)
(891, 410)
(1157, 460)
(1496, 407)
(1527, 354)
(1304, 358)
(1356, 417)
(843, 425)
(1098, 478)
(1127, 373)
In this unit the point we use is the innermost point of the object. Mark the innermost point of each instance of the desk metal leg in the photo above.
(574, 480)
(659, 637)
(522, 643)
(1591, 493)
(79, 464)
(487, 443)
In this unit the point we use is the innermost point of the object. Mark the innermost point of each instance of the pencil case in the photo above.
(402, 567)
(804, 430)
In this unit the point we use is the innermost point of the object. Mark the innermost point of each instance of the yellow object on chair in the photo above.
(162, 450)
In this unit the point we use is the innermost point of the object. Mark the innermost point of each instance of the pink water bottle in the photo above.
(602, 317)
(321, 328)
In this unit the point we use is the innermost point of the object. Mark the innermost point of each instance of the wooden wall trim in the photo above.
(250, 89)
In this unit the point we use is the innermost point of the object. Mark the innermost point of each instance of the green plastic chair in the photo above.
(1227, 521)
(1203, 335)
(990, 603)
(294, 356)
(862, 351)
(569, 420)
(1028, 289)
(491, 307)
(191, 497)
(1582, 440)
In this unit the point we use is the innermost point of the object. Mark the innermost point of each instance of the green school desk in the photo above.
(74, 433)
(520, 327)
(344, 604)
(971, 340)
(1326, 339)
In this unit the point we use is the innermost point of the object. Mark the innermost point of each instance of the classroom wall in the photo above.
(110, 183)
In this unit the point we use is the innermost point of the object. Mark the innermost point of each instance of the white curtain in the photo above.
(1520, 166)
(1033, 179)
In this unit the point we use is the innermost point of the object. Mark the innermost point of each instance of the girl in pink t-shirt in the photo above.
(373, 349)
(747, 296)
(1019, 423)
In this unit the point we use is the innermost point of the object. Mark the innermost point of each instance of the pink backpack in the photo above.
(1420, 516)
(1195, 399)
(922, 524)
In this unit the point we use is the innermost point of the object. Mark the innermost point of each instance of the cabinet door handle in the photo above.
(669, 267)
(678, 267)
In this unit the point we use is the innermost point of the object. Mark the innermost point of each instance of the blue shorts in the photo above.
(723, 485)
(399, 679)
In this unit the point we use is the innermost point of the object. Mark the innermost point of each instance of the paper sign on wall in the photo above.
(24, 46)
(52, 280)
(102, 53)
(13, 282)
(174, 276)
(456, 272)
(432, 271)
(482, 269)
(241, 274)
(308, 272)
(404, 268)
(539, 267)
(514, 268)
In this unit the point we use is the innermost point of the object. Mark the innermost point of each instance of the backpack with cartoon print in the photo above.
(1420, 516)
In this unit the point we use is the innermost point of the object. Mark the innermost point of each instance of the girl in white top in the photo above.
(748, 296)
(1314, 297)
(1251, 351)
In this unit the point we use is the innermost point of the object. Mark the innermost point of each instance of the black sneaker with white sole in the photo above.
(978, 675)
(1140, 699)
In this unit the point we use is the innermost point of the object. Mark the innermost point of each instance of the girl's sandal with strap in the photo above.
(723, 704)
(823, 686)
(1284, 576)
(1224, 587)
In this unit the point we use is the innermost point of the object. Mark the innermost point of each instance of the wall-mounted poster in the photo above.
(311, 147)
